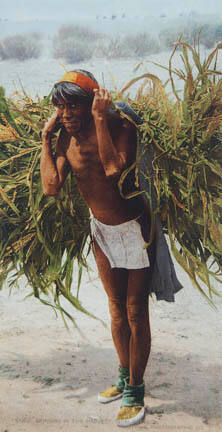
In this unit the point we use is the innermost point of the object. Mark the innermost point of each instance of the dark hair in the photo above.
(69, 92)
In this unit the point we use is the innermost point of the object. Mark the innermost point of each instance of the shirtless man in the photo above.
(97, 144)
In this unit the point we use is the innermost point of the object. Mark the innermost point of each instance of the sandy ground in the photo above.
(49, 378)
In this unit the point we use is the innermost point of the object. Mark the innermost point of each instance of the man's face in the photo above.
(74, 116)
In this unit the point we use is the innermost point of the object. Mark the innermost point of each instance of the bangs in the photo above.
(68, 93)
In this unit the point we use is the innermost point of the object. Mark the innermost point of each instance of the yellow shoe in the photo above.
(132, 409)
(116, 390)
(110, 394)
(129, 416)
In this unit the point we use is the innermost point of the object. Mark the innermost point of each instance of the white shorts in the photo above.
(122, 244)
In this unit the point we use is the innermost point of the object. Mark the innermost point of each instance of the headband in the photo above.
(83, 81)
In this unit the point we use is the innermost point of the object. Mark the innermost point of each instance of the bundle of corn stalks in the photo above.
(184, 182)
(40, 236)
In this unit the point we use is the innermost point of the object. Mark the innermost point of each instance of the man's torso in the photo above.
(100, 192)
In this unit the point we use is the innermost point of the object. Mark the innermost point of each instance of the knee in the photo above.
(137, 316)
(118, 311)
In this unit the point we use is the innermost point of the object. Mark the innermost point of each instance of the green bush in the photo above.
(20, 47)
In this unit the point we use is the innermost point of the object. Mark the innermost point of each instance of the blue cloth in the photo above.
(164, 282)
(130, 112)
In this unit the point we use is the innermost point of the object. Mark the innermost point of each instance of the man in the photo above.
(97, 144)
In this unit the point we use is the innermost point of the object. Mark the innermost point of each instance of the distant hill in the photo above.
(104, 24)
(9, 28)
(111, 25)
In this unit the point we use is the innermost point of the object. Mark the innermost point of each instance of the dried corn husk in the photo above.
(184, 184)
(40, 236)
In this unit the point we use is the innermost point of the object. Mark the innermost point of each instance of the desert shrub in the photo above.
(101, 47)
(79, 32)
(138, 45)
(141, 44)
(72, 50)
(113, 48)
(20, 47)
(2, 55)
(75, 43)
(209, 34)
(36, 35)
(169, 36)
(218, 32)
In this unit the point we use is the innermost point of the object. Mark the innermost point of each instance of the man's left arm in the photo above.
(115, 156)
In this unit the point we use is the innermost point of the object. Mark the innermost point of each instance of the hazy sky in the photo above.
(63, 10)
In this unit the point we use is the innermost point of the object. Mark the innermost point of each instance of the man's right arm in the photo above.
(54, 169)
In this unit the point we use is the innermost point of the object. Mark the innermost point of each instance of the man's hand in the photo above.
(101, 103)
(51, 126)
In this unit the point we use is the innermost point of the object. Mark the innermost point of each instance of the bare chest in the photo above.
(83, 157)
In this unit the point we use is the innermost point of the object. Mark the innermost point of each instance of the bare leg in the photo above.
(115, 282)
(127, 291)
(138, 318)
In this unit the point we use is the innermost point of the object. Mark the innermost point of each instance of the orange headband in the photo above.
(80, 80)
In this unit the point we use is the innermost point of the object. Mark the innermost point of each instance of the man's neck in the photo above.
(86, 131)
